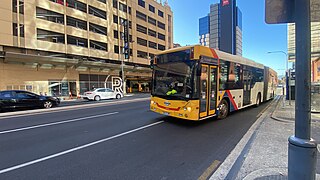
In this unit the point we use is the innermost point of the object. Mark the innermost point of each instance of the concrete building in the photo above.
(222, 28)
(315, 48)
(60, 47)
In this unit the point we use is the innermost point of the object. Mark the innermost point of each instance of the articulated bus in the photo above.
(197, 82)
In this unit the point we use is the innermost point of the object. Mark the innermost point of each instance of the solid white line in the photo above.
(75, 149)
(56, 123)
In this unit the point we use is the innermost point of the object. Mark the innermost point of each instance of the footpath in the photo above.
(262, 154)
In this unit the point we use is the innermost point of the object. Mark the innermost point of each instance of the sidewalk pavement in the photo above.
(262, 154)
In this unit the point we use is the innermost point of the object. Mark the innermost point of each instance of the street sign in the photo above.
(282, 11)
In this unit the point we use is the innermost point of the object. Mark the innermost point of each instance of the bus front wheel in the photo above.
(223, 109)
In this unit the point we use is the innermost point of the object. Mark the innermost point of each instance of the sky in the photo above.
(258, 38)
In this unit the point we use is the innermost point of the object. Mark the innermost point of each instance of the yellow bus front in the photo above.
(180, 85)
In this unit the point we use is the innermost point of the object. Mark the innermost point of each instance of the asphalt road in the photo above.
(122, 141)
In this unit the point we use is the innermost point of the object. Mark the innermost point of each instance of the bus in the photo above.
(197, 82)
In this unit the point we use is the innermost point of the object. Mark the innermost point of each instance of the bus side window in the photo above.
(223, 78)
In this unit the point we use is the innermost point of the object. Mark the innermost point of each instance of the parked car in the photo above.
(23, 99)
(102, 93)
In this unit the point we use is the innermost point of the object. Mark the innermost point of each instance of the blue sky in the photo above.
(258, 37)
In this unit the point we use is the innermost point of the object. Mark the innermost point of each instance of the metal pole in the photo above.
(302, 152)
(286, 71)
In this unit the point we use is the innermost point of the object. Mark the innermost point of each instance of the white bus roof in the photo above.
(238, 59)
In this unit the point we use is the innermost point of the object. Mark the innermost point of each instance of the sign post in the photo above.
(302, 152)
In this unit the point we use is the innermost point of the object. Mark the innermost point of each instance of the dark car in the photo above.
(23, 99)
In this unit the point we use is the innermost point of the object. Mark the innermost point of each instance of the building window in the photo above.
(161, 47)
(21, 6)
(161, 25)
(161, 36)
(58, 1)
(115, 4)
(103, 1)
(142, 54)
(153, 45)
(142, 42)
(141, 3)
(115, 19)
(141, 16)
(77, 5)
(160, 13)
(50, 36)
(15, 29)
(97, 12)
(72, 40)
(123, 7)
(98, 45)
(151, 8)
(97, 29)
(141, 29)
(151, 56)
(21, 30)
(152, 21)
(14, 6)
(152, 33)
(76, 23)
(116, 49)
(115, 34)
(129, 10)
(130, 24)
(49, 15)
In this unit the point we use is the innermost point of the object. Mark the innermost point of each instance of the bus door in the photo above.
(246, 87)
(208, 90)
(213, 90)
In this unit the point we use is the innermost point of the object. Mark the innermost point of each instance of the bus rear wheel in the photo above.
(223, 109)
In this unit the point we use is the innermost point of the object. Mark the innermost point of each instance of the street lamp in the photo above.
(287, 58)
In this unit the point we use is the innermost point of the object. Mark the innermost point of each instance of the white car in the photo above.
(102, 93)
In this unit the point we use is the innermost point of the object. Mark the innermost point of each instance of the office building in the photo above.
(315, 48)
(224, 30)
(63, 47)
(204, 25)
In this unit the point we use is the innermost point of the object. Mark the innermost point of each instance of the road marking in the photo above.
(264, 109)
(66, 108)
(209, 170)
(56, 123)
(76, 148)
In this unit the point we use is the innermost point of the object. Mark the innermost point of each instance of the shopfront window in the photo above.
(62, 88)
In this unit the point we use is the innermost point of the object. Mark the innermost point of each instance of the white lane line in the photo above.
(76, 148)
(56, 123)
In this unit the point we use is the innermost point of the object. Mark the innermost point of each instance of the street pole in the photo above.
(286, 71)
(302, 151)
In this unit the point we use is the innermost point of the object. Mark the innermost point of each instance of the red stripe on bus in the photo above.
(167, 108)
(232, 100)
(214, 54)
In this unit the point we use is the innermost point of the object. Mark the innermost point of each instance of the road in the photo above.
(116, 141)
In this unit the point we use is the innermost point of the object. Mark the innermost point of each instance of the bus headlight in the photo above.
(152, 102)
(189, 109)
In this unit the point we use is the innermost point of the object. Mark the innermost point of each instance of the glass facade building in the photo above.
(204, 30)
